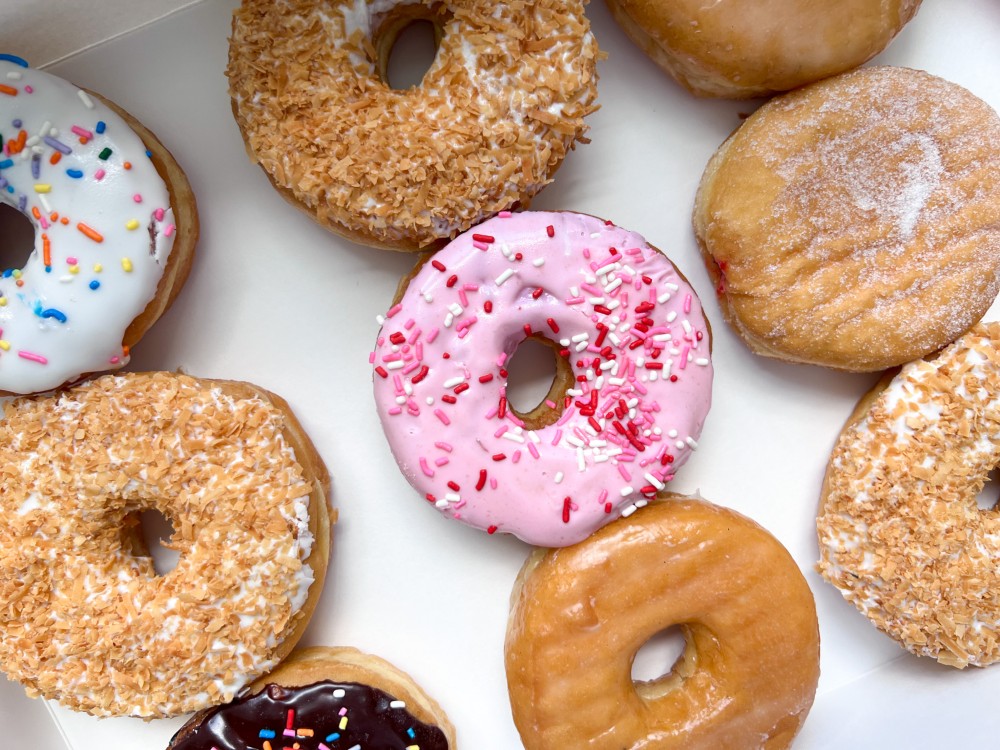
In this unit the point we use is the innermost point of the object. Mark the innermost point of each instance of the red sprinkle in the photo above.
(564, 353)
(397, 338)
(646, 279)
(673, 378)
(449, 399)
(491, 529)
(667, 459)
(461, 388)
(503, 373)
(654, 365)
(430, 498)
(438, 265)
(483, 238)
(537, 293)
(644, 307)
(527, 329)
(566, 504)
(607, 507)
(518, 256)
(550, 230)
(602, 309)
(486, 378)
(381, 371)
(452, 280)
(482, 480)
(594, 423)
(420, 375)
(499, 456)
(453, 486)
(552, 325)
(502, 410)
(488, 306)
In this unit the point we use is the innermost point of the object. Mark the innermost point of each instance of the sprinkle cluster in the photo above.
(632, 339)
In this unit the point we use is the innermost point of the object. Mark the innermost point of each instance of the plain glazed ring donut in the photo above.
(579, 615)
(86, 619)
(324, 698)
(632, 388)
(855, 223)
(900, 532)
(115, 228)
(492, 120)
(744, 48)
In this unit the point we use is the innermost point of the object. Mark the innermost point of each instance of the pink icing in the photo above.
(638, 344)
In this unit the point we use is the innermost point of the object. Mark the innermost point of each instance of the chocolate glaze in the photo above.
(371, 724)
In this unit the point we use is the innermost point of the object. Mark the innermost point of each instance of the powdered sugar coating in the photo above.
(86, 620)
(493, 118)
(900, 531)
(628, 325)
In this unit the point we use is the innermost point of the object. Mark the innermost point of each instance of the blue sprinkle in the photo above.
(76, 174)
(6, 163)
(95, 284)
(8, 272)
(14, 59)
(101, 126)
(48, 269)
(53, 313)
(411, 733)
(333, 737)
(149, 153)
(267, 734)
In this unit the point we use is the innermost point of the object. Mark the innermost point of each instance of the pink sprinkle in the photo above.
(393, 310)
(288, 732)
(396, 410)
(323, 746)
(137, 198)
(442, 416)
(29, 89)
(557, 437)
(33, 357)
(411, 367)
(504, 214)
(532, 450)
(343, 712)
(463, 298)
(82, 132)
(433, 335)
(44, 222)
(501, 359)
(414, 335)
(114, 360)
(168, 230)
(493, 483)
(397, 381)
(158, 214)
(466, 323)
(409, 324)
(513, 418)
(371, 358)
(550, 403)
(501, 431)
(392, 357)
(492, 413)
(440, 461)
(99, 175)
(608, 261)
(687, 303)
(574, 300)
(684, 357)
(603, 496)
(480, 245)
(586, 253)
(639, 388)
(418, 351)
(516, 457)
(428, 471)
(624, 472)
(444, 446)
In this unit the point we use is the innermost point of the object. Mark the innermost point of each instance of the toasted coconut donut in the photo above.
(580, 614)
(85, 619)
(900, 532)
(855, 223)
(402, 169)
(342, 696)
(743, 48)
(115, 229)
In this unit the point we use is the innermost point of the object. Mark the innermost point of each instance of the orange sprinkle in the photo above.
(17, 145)
(127, 165)
(125, 349)
(36, 213)
(64, 220)
(46, 250)
(5, 89)
(54, 216)
(19, 282)
(56, 156)
(89, 232)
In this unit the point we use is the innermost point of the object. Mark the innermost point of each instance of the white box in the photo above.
(275, 299)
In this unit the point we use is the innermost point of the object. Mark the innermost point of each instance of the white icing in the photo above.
(90, 338)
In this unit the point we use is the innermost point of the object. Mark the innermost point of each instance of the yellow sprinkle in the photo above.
(343, 723)
(98, 268)
(127, 265)
(3, 302)
(42, 187)
(132, 224)
(74, 269)
(5, 345)
(413, 747)
(17, 273)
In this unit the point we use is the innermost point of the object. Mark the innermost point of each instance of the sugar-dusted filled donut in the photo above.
(900, 532)
(580, 614)
(324, 698)
(115, 228)
(744, 48)
(86, 619)
(632, 389)
(855, 223)
(486, 129)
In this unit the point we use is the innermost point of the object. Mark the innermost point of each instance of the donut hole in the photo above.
(406, 45)
(157, 530)
(989, 496)
(17, 237)
(537, 379)
(660, 657)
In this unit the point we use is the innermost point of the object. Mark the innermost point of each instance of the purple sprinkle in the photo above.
(57, 145)
(16, 123)
(36, 165)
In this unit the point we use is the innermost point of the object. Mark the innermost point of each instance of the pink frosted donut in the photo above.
(632, 390)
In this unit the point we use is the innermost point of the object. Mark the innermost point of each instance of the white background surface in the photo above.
(275, 299)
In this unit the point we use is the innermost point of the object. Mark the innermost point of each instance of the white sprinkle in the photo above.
(614, 339)
(430, 400)
(605, 270)
(662, 337)
(504, 276)
(452, 382)
(339, 693)
(608, 365)
(616, 381)
(563, 342)
(400, 400)
(628, 511)
(580, 337)
(397, 704)
(671, 287)
(87, 101)
(594, 235)
(380, 319)
(408, 388)
(652, 375)
(452, 497)
(582, 345)
(627, 490)
(456, 309)
(679, 445)
(14, 76)
(595, 300)
(44, 130)
(575, 441)
(687, 325)
(428, 297)
(574, 392)
(538, 262)
(613, 304)
(613, 285)
(442, 503)
(615, 451)
(581, 464)
(663, 297)
(558, 477)
(448, 320)
(574, 291)
(601, 458)
(66, 279)
(395, 365)
(691, 441)
(534, 437)
(598, 443)
(513, 436)
(33, 140)
(632, 403)
(654, 481)
(702, 361)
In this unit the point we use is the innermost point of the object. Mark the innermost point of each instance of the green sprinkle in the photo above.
(103, 156)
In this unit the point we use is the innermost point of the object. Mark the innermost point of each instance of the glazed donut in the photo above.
(900, 532)
(632, 388)
(739, 49)
(855, 223)
(86, 620)
(405, 169)
(339, 696)
(115, 228)
(579, 615)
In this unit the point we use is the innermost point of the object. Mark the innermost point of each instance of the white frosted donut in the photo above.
(112, 244)
(486, 129)
(633, 385)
